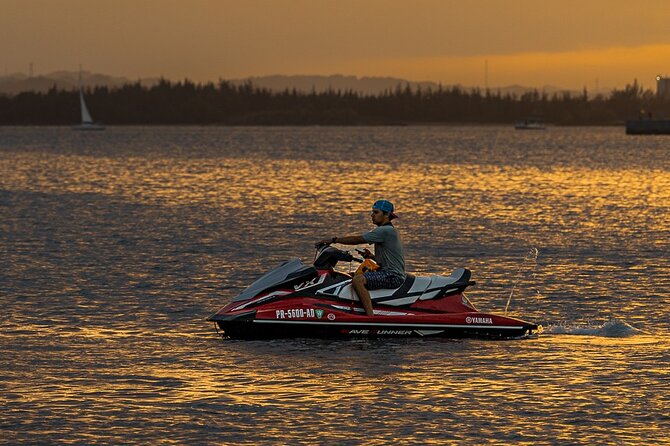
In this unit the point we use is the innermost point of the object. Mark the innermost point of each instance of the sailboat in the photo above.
(86, 120)
(530, 124)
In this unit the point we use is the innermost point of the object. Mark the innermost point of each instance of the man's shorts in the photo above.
(382, 279)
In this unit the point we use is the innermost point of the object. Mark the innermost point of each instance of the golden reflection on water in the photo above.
(358, 384)
(132, 358)
(620, 200)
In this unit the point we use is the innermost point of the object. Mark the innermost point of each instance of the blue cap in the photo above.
(385, 206)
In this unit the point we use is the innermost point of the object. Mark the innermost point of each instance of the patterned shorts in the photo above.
(382, 279)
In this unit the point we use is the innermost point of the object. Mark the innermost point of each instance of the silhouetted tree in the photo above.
(186, 102)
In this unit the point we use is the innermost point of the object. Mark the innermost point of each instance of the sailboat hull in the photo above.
(88, 127)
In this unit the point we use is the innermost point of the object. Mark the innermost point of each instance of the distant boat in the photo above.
(530, 124)
(86, 120)
(648, 127)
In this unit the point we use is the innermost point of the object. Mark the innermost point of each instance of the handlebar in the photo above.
(339, 254)
(346, 256)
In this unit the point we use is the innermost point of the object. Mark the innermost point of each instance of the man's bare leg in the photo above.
(363, 294)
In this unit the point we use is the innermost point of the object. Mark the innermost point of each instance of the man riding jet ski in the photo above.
(388, 254)
(298, 300)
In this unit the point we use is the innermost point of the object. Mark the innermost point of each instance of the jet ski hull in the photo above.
(253, 325)
(249, 330)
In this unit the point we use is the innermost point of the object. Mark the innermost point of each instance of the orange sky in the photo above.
(565, 43)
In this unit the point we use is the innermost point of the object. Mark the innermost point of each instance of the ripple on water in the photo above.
(114, 248)
(610, 329)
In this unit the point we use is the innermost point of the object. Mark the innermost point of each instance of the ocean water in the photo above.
(115, 247)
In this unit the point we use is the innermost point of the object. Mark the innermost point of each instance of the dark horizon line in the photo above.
(125, 79)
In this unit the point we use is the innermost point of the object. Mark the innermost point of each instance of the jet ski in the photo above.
(299, 300)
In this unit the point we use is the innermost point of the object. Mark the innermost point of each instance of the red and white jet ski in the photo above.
(298, 300)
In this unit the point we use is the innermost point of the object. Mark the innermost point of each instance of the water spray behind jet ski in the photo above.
(531, 257)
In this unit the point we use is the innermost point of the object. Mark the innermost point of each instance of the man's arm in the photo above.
(348, 240)
(351, 240)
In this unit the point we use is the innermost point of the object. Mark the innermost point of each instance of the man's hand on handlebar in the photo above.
(366, 253)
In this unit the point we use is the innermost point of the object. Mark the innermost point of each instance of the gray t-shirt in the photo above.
(388, 249)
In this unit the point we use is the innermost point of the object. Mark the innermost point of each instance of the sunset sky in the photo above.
(565, 43)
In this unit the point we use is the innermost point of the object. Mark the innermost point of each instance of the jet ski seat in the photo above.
(414, 288)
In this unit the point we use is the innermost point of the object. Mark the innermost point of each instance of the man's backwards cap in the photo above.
(385, 206)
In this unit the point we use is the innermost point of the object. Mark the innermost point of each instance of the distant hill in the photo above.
(63, 80)
(67, 80)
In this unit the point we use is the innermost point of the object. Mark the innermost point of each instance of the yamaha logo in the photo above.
(478, 320)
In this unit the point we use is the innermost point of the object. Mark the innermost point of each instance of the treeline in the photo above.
(227, 104)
